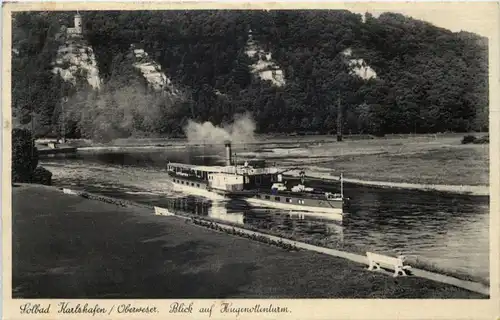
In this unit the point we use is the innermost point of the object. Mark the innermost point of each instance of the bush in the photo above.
(42, 176)
(468, 139)
(24, 155)
(482, 140)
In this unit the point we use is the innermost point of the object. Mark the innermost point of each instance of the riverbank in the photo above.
(128, 251)
(321, 175)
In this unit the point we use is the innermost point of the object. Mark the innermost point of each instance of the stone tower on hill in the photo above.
(78, 29)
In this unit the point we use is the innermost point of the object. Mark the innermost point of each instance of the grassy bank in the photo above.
(69, 247)
(467, 165)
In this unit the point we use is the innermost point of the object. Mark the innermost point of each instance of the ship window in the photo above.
(277, 198)
(268, 197)
(192, 184)
(288, 200)
(257, 196)
(198, 185)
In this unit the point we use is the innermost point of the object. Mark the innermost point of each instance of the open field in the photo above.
(70, 247)
(467, 165)
(433, 160)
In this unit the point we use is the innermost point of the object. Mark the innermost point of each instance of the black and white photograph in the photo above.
(224, 153)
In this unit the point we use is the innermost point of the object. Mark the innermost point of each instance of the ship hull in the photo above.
(193, 190)
(333, 212)
(201, 188)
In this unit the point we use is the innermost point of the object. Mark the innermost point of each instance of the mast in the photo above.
(339, 120)
(63, 138)
(63, 116)
(341, 185)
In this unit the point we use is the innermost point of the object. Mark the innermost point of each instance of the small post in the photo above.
(235, 164)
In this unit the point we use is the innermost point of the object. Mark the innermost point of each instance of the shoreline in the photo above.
(457, 189)
(345, 260)
(473, 286)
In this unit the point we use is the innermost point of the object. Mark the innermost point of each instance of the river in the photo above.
(448, 231)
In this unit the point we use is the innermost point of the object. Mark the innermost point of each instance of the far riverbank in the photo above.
(426, 162)
(462, 189)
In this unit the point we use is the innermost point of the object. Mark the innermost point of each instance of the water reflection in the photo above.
(157, 158)
(214, 209)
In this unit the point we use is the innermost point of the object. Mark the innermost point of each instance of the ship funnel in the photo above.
(229, 160)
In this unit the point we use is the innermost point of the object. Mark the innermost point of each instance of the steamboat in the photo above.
(258, 184)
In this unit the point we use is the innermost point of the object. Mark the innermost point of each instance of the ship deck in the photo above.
(290, 194)
(226, 169)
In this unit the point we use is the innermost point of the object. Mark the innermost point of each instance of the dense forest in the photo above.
(428, 80)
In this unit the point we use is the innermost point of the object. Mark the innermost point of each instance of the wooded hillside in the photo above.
(428, 79)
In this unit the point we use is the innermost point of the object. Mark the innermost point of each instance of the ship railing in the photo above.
(251, 170)
(315, 195)
(190, 177)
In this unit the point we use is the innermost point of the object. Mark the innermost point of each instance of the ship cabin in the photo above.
(187, 172)
(237, 177)
(240, 176)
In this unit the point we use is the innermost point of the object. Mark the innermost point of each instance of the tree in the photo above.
(428, 79)
(24, 155)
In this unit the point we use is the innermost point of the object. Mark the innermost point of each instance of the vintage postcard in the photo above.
(217, 160)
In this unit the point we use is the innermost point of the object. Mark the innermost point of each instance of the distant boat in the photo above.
(54, 147)
(257, 184)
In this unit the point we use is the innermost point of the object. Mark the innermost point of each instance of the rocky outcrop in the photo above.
(151, 71)
(264, 67)
(359, 67)
(76, 60)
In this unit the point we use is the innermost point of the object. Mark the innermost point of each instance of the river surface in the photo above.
(448, 231)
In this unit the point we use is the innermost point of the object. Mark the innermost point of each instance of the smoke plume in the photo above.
(119, 112)
(241, 131)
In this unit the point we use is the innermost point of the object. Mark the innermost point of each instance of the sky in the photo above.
(480, 18)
